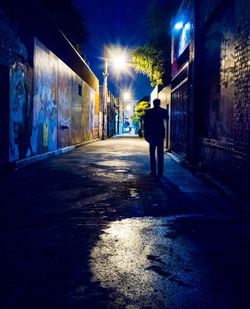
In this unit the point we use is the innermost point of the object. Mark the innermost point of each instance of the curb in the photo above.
(34, 159)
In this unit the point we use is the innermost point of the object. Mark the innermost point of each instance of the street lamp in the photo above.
(118, 60)
(126, 95)
(105, 97)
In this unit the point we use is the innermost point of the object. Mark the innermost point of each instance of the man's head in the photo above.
(157, 102)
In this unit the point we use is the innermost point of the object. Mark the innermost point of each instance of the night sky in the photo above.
(115, 22)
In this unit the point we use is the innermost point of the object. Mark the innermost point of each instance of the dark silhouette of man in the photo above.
(154, 133)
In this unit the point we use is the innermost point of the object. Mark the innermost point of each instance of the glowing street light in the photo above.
(128, 108)
(119, 62)
(118, 58)
(127, 95)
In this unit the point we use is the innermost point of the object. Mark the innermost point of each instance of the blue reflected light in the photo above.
(178, 25)
(187, 26)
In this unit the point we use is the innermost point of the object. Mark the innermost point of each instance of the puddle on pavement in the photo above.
(133, 193)
(122, 261)
(111, 163)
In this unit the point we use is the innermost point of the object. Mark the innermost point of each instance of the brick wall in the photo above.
(226, 85)
(241, 104)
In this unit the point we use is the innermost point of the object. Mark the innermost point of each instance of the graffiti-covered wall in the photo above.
(50, 106)
(49, 96)
(21, 111)
(45, 100)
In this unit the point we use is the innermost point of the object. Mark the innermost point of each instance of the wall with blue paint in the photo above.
(20, 111)
(49, 97)
(50, 106)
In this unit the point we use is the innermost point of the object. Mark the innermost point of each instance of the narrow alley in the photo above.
(93, 229)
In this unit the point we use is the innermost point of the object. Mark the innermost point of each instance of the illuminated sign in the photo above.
(182, 37)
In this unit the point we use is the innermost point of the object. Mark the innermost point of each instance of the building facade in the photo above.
(210, 88)
(49, 97)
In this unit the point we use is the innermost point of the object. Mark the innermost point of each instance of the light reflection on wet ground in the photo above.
(133, 257)
(186, 249)
(180, 261)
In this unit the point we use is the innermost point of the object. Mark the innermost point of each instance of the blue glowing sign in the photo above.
(182, 37)
(178, 26)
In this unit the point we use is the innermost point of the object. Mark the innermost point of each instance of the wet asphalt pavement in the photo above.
(92, 229)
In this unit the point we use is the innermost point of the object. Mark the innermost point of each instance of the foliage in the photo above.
(141, 108)
(149, 61)
(139, 113)
(135, 123)
(153, 58)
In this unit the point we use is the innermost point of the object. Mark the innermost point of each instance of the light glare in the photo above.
(187, 26)
(126, 95)
(119, 62)
(178, 25)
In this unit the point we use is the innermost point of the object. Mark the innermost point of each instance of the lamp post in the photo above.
(118, 59)
(105, 97)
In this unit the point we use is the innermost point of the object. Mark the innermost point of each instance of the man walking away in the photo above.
(154, 133)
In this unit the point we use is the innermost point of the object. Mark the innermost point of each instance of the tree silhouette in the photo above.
(154, 57)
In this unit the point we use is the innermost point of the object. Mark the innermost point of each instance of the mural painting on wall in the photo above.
(44, 130)
(76, 111)
(64, 106)
(20, 111)
(86, 111)
(96, 115)
(91, 111)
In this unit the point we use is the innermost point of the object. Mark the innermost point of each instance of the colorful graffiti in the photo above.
(44, 130)
(87, 134)
(60, 111)
(65, 102)
(20, 111)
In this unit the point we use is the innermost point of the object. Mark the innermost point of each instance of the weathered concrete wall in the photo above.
(45, 100)
(48, 100)
(20, 111)
(77, 112)
(64, 90)
(64, 105)
(60, 111)
(15, 94)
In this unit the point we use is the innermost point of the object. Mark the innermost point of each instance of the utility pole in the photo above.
(105, 96)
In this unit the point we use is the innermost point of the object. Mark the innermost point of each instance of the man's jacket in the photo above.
(154, 129)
